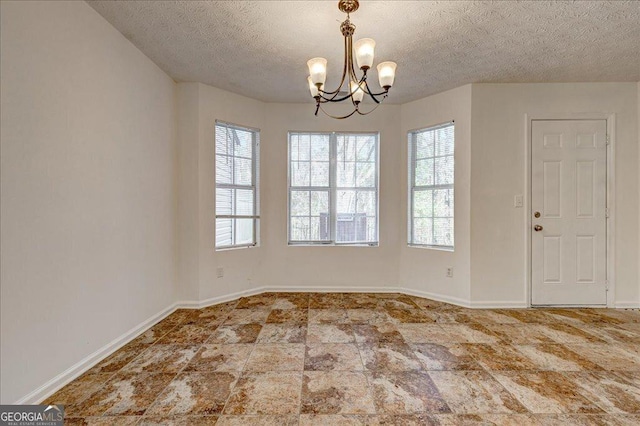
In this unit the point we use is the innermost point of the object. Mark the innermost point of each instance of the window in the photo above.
(431, 166)
(237, 217)
(333, 188)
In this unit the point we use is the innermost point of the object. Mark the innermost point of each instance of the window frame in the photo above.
(333, 189)
(254, 187)
(412, 146)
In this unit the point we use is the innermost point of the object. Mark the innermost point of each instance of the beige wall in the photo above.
(498, 250)
(199, 108)
(239, 265)
(273, 263)
(423, 269)
(490, 255)
(339, 267)
(87, 184)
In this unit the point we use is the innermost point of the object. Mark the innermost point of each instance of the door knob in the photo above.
(537, 228)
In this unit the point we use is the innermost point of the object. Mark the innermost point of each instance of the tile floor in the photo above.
(374, 359)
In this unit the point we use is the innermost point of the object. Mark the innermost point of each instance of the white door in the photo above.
(568, 212)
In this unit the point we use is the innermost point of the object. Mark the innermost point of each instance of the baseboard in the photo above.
(190, 304)
(488, 304)
(437, 297)
(73, 372)
(627, 305)
(331, 289)
(352, 289)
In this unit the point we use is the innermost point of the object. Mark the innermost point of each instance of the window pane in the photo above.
(224, 167)
(222, 141)
(236, 156)
(294, 152)
(244, 202)
(345, 173)
(443, 232)
(319, 203)
(315, 231)
(320, 147)
(443, 203)
(320, 173)
(300, 173)
(366, 148)
(299, 229)
(423, 203)
(366, 203)
(352, 222)
(243, 143)
(242, 171)
(444, 170)
(224, 201)
(444, 138)
(224, 232)
(244, 231)
(346, 201)
(365, 175)
(423, 231)
(424, 172)
(304, 147)
(424, 144)
(432, 219)
(346, 148)
(352, 160)
(300, 203)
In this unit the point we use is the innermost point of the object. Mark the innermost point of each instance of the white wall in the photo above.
(273, 263)
(498, 272)
(423, 269)
(87, 184)
(313, 266)
(199, 107)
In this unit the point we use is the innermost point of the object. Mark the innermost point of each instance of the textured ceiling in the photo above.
(260, 48)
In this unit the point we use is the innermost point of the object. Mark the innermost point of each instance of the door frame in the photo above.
(610, 119)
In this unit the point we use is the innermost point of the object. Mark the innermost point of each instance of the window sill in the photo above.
(302, 244)
(438, 248)
(232, 248)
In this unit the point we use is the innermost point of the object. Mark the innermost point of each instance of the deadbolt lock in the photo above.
(536, 214)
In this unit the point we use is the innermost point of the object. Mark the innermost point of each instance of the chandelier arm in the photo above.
(335, 93)
(374, 96)
(336, 116)
(368, 112)
(327, 100)
(370, 93)
(352, 71)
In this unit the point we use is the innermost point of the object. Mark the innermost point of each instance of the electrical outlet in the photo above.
(450, 272)
(220, 272)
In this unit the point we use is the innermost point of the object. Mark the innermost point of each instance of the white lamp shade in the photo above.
(313, 88)
(356, 92)
(364, 52)
(386, 74)
(317, 70)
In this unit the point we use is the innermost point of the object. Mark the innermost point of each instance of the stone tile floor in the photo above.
(374, 359)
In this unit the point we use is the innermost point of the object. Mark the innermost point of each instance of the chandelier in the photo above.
(356, 87)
